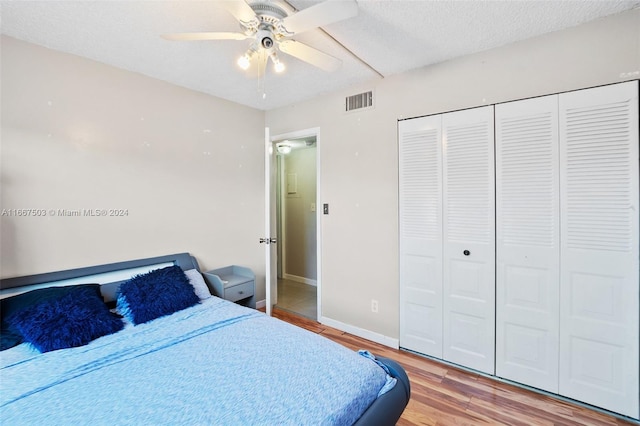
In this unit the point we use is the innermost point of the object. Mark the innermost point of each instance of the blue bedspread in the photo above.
(216, 363)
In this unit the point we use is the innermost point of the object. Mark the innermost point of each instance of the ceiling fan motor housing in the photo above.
(268, 12)
(266, 38)
(270, 16)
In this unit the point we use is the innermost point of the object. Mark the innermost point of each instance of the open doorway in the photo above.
(297, 224)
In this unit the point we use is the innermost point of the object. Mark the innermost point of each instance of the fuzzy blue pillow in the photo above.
(9, 335)
(155, 294)
(71, 318)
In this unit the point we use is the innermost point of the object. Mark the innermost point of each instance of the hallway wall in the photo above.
(300, 254)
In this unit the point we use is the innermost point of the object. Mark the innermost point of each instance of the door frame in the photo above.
(305, 133)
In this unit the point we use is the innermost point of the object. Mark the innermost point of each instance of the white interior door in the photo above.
(469, 238)
(599, 290)
(420, 209)
(527, 246)
(270, 224)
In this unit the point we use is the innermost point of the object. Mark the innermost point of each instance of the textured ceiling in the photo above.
(389, 37)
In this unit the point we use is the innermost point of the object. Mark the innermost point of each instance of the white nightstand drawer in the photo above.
(238, 292)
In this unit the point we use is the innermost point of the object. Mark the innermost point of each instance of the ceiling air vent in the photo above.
(359, 101)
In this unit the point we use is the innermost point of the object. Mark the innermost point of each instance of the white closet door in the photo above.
(599, 236)
(420, 192)
(469, 238)
(527, 246)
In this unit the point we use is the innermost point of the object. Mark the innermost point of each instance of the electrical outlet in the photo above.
(374, 306)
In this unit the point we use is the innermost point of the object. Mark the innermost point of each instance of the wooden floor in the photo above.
(444, 395)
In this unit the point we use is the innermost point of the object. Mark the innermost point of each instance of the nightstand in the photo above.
(233, 283)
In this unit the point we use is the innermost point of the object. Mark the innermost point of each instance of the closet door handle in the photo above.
(466, 252)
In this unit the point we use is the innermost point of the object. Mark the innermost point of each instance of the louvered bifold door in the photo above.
(527, 245)
(469, 238)
(420, 206)
(599, 247)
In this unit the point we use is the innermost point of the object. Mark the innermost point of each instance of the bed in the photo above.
(210, 362)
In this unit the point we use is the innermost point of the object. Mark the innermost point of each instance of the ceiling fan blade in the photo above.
(309, 54)
(204, 36)
(240, 10)
(320, 15)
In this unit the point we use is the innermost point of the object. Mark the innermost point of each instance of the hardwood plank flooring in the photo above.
(444, 395)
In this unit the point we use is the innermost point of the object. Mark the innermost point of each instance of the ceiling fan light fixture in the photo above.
(244, 61)
(277, 65)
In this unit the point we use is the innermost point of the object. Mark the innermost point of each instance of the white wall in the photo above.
(358, 153)
(78, 134)
(300, 222)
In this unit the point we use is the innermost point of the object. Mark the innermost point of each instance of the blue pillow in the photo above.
(70, 318)
(9, 335)
(155, 294)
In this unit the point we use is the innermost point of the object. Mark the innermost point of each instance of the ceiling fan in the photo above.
(271, 25)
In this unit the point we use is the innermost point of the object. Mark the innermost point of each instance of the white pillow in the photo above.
(196, 280)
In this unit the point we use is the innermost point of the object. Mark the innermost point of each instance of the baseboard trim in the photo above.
(361, 332)
(261, 304)
(302, 280)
